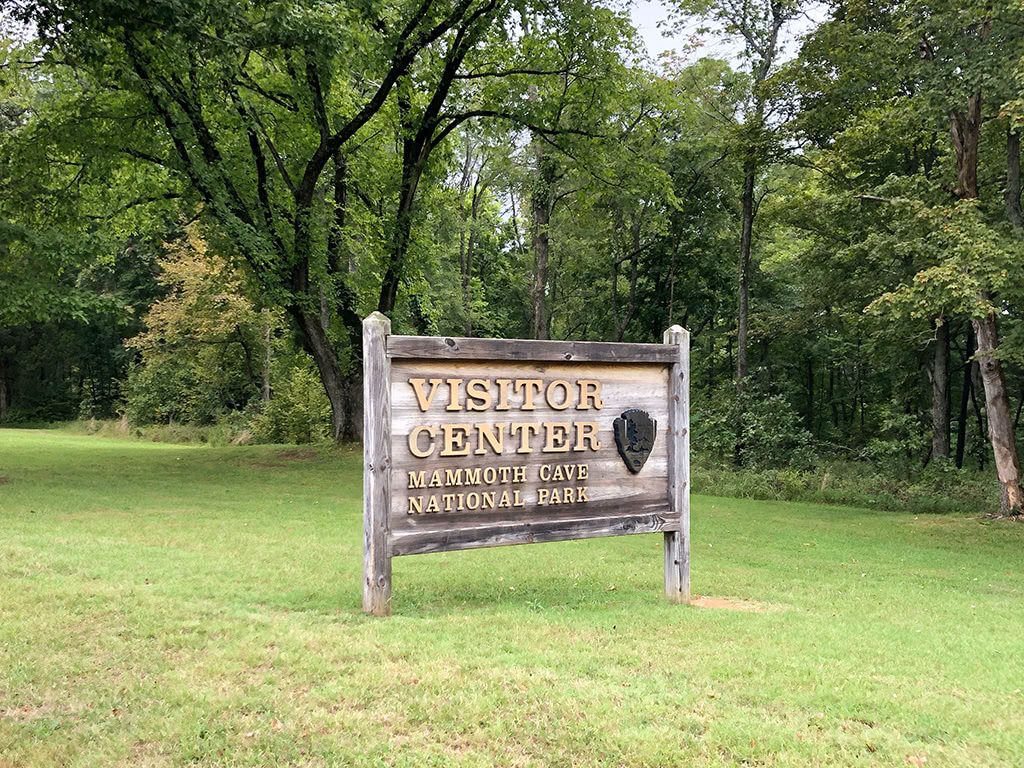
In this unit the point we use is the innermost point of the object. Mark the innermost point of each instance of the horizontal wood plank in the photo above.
(425, 539)
(459, 348)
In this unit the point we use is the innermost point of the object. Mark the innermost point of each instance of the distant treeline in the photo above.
(199, 201)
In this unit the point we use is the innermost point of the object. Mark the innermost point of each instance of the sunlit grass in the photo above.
(166, 605)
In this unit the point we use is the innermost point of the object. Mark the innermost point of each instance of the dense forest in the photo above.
(200, 200)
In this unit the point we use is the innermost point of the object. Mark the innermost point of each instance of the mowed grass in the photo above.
(172, 605)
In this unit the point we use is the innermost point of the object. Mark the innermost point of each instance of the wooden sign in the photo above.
(485, 442)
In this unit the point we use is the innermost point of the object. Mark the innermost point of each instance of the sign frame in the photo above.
(381, 544)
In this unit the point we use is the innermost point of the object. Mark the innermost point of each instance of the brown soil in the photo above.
(284, 458)
(728, 603)
(297, 454)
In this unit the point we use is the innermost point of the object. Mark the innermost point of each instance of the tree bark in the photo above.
(940, 391)
(541, 203)
(473, 185)
(414, 156)
(622, 323)
(1013, 180)
(810, 395)
(965, 397)
(317, 343)
(4, 402)
(467, 270)
(267, 357)
(746, 237)
(965, 131)
(979, 415)
(1000, 419)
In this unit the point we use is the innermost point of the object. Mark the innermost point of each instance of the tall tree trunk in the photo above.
(940, 391)
(832, 396)
(340, 263)
(622, 323)
(541, 203)
(466, 268)
(743, 310)
(4, 402)
(465, 233)
(305, 311)
(416, 147)
(318, 345)
(965, 131)
(400, 240)
(467, 248)
(746, 238)
(965, 397)
(1013, 180)
(1000, 420)
(267, 356)
(809, 416)
(979, 415)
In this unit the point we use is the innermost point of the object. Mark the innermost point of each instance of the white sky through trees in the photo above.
(648, 14)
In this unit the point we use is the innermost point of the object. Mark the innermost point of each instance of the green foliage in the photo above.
(196, 391)
(298, 412)
(899, 442)
(204, 346)
(756, 430)
(940, 488)
(230, 429)
(329, 163)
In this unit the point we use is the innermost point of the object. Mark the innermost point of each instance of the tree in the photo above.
(759, 26)
(929, 67)
(206, 349)
(257, 114)
(67, 299)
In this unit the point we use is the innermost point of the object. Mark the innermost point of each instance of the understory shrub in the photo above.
(299, 411)
(757, 430)
(937, 488)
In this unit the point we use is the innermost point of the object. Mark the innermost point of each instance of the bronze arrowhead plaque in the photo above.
(635, 432)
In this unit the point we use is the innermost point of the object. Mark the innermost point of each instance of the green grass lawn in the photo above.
(167, 605)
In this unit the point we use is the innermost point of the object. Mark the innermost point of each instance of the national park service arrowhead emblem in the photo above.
(635, 431)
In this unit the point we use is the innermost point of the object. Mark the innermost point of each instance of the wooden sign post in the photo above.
(486, 442)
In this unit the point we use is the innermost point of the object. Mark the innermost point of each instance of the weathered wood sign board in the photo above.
(485, 442)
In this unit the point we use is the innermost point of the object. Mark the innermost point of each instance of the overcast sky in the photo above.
(648, 13)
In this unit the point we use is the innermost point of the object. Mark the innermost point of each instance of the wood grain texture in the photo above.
(376, 466)
(455, 348)
(425, 539)
(417, 396)
(677, 542)
(624, 386)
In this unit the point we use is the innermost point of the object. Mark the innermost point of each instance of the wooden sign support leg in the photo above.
(376, 465)
(677, 543)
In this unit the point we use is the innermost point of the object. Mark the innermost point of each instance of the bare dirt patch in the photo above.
(284, 458)
(729, 604)
(29, 713)
(4, 480)
(297, 454)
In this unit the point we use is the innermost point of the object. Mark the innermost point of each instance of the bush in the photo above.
(938, 488)
(196, 390)
(899, 442)
(232, 429)
(299, 411)
(766, 428)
